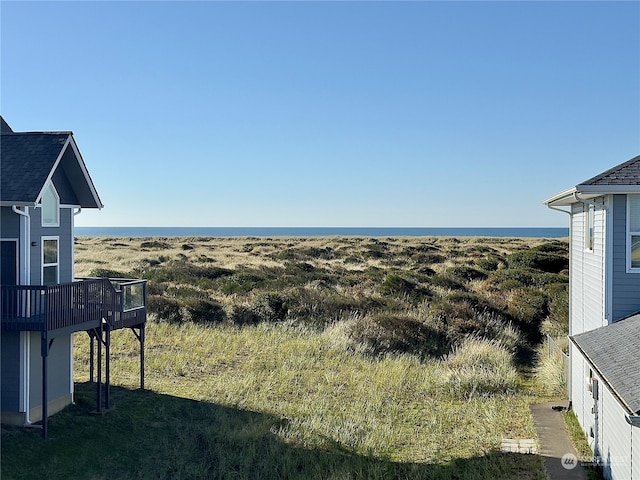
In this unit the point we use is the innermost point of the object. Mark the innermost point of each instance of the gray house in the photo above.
(604, 306)
(44, 184)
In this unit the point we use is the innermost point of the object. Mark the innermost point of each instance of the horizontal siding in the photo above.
(587, 270)
(576, 253)
(58, 368)
(581, 399)
(10, 371)
(626, 286)
(615, 438)
(65, 234)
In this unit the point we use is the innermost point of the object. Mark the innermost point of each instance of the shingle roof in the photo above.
(4, 126)
(627, 173)
(27, 161)
(613, 351)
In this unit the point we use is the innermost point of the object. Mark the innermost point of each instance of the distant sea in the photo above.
(530, 232)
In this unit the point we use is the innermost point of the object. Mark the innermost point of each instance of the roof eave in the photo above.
(71, 143)
(563, 198)
(608, 189)
(586, 192)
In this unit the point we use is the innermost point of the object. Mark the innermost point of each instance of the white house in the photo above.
(604, 306)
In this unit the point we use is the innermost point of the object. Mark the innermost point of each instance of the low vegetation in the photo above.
(314, 358)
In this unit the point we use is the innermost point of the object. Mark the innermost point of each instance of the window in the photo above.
(590, 221)
(50, 255)
(50, 207)
(633, 229)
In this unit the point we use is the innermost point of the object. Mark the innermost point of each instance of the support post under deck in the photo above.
(44, 351)
(99, 373)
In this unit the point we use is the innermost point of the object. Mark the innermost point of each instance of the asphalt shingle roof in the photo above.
(627, 173)
(27, 161)
(613, 351)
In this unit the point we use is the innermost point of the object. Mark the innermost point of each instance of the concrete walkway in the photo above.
(560, 456)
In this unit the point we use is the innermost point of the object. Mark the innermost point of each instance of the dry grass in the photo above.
(324, 365)
(350, 253)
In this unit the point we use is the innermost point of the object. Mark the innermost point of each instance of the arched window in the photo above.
(50, 207)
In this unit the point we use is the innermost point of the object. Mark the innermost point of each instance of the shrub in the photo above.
(203, 311)
(399, 285)
(155, 244)
(164, 308)
(242, 315)
(446, 281)
(489, 263)
(427, 271)
(352, 259)
(271, 307)
(242, 282)
(558, 308)
(184, 272)
(538, 260)
(511, 278)
(556, 246)
(529, 306)
(108, 273)
(385, 333)
(428, 258)
(466, 273)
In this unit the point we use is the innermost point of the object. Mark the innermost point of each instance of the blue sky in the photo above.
(328, 113)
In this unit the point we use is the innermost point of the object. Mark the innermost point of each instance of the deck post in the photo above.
(91, 355)
(44, 352)
(107, 379)
(142, 357)
(99, 373)
(140, 337)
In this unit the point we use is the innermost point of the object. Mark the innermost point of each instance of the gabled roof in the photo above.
(613, 352)
(28, 160)
(623, 178)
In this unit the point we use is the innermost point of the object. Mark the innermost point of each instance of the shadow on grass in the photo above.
(155, 436)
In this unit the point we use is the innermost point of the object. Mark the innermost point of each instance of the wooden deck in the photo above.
(76, 306)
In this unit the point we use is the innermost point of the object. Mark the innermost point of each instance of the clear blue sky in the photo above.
(328, 113)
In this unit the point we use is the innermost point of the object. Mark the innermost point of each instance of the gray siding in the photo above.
(614, 442)
(10, 371)
(581, 397)
(9, 223)
(587, 292)
(626, 286)
(64, 232)
(58, 368)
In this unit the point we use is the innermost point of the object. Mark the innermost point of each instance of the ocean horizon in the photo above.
(528, 232)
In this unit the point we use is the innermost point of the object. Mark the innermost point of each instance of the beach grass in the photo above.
(310, 358)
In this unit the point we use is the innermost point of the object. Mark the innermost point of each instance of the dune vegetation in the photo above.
(314, 358)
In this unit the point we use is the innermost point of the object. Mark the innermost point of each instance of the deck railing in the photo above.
(78, 305)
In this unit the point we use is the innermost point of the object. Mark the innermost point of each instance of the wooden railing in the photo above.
(77, 306)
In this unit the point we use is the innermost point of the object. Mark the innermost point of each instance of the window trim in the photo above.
(589, 226)
(57, 200)
(630, 235)
(43, 265)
